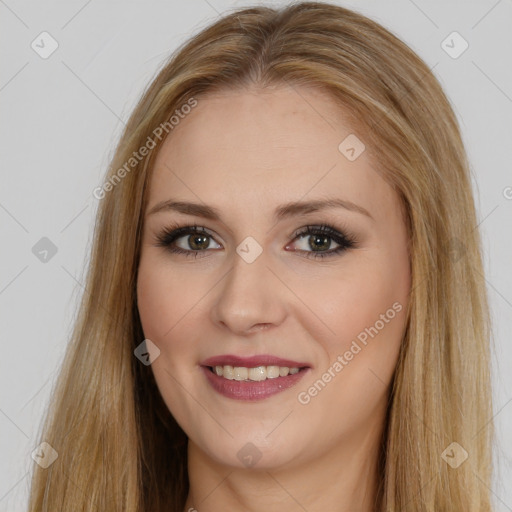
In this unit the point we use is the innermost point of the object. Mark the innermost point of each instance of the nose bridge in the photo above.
(249, 294)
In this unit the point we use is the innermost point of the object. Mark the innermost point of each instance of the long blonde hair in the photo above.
(119, 448)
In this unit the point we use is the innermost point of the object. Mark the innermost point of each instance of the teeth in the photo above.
(225, 371)
(259, 373)
(254, 374)
(240, 373)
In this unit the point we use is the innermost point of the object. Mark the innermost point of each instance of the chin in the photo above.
(255, 448)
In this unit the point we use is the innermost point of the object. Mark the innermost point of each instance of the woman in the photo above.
(285, 295)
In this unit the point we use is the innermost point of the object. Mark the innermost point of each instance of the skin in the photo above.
(246, 153)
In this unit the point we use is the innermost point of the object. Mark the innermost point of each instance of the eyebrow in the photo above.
(282, 212)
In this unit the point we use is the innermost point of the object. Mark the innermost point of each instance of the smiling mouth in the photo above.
(254, 374)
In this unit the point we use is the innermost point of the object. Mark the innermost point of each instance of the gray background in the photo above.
(62, 116)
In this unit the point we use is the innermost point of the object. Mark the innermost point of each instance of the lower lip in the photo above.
(251, 390)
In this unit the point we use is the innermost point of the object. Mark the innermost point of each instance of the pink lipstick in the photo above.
(252, 378)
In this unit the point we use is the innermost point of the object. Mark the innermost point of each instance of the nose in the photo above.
(249, 298)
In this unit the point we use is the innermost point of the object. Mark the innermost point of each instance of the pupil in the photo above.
(318, 238)
(198, 245)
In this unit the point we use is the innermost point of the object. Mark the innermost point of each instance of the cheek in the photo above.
(163, 302)
(153, 300)
(366, 308)
(170, 303)
(163, 298)
(366, 312)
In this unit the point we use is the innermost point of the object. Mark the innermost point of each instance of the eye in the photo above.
(198, 239)
(318, 238)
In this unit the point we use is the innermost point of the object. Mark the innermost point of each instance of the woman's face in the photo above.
(253, 283)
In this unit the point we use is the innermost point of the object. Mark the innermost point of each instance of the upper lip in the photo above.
(252, 362)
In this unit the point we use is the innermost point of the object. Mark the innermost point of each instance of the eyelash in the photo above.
(170, 234)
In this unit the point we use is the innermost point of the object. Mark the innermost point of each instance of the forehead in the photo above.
(262, 147)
